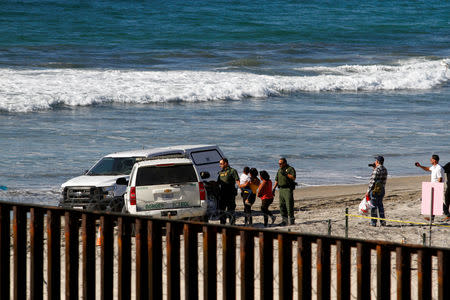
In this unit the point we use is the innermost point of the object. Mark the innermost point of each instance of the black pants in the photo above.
(227, 205)
(447, 200)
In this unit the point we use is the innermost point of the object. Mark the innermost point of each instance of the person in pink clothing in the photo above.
(266, 195)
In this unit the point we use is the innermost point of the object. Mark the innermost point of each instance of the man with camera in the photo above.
(376, 190)
(285, 181)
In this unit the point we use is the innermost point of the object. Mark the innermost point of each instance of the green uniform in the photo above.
(286, 193)
(227, 202)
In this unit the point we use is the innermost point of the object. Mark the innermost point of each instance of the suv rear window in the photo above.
(155, 175)
(206, 157)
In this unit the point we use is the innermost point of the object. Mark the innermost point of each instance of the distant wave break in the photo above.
(31, 90)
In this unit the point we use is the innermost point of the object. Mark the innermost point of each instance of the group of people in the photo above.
(377, 183)
(251, 187)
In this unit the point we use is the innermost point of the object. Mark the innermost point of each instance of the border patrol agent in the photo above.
(285, 181)
(228, 178)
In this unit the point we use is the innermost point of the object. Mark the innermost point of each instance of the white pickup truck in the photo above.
(98, 189)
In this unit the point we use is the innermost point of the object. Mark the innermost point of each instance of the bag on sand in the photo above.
(365, 206)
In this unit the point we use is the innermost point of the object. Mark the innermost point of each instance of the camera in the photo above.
(371, 165)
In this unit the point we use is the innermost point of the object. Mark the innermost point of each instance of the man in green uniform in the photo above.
(285, 181)
(228, 178)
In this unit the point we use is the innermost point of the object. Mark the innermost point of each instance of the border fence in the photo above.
(52, 253)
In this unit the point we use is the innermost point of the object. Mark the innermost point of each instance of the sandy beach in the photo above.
(316, 207)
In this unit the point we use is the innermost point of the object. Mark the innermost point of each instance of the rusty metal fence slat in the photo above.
(107, 255)
(71, 254)
(363, 271)
(209, 263)
(20, 252)
(304, 268)
(88, 262)
(36, 253)
(53, 255)
(5, 252)
(154, 259)
(247, 265)
(190, 262)
(383, 272)
(266, 265)
(424, 274)
(285, 266)
(403, 263)
(229, 264)
(343, 261)
(443, 274)
(173, 261)
(124, 252)
(323, 269)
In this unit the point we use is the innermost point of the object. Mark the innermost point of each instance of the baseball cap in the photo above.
(380, 159)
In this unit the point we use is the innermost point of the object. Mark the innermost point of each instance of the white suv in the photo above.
(98, 189)
(166, 188)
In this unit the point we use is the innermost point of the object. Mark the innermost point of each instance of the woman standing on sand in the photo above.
(266, 195)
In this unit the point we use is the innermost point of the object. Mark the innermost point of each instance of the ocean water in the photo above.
(327, 84)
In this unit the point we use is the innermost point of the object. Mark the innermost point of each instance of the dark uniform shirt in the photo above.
(228, 177)
(283, 180)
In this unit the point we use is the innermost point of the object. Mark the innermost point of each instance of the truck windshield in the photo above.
(113, 166)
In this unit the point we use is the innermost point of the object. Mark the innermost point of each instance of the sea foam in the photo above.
(24, 90)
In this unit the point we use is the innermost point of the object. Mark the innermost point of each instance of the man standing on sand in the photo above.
(437, 175)
(376, 190)
(285, 181)
(228, 179)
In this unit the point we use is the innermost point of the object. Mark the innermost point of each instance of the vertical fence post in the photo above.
(141, 260)
(403, 263)
(343, 270)
(363, 271)
(88, 263)
(323, 269)
(431, 213)
(154, 244)
(247, 266)
(53, 255)
(383, 272)
(304, 268)
(20, 252)
(107, 252)
(285, 266)
(424, 274)
(36, 253)
(190, 262)
(266, 265)
(229, 263)
(209, 263)
(346, 222)
(173, 261)
(72, 253)
(124, 251)
(5, 252)
(443, 274)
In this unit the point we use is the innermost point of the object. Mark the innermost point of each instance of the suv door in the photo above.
(167, 186)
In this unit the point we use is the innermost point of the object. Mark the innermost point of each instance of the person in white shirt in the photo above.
(245, 176)
(437, 175)
(437, 171)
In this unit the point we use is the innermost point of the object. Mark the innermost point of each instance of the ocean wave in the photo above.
(33, 90)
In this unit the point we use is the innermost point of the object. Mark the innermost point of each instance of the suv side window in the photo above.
(156, 175)
(206, 157)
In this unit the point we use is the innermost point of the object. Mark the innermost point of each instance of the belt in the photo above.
(284, 186)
